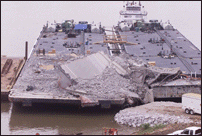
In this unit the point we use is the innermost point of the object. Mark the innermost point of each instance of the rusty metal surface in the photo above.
(6, 66)
(7, 79)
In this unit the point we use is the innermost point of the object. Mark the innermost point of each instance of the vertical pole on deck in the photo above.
(83, 42)
(26, 49)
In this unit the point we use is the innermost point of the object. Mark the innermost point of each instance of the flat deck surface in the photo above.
(188, 55)
(43, 78)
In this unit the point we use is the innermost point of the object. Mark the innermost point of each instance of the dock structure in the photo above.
(10, 69)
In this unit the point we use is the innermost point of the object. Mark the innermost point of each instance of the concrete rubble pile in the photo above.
(36, 79)
(114, 83)
(108, 85)
(138, 115)
(112, 77)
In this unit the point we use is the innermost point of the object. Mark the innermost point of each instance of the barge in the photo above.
(127, 64)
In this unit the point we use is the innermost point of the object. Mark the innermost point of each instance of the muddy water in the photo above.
(55, 120)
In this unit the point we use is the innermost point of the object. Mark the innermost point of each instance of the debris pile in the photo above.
(135, 119)
(95, 77)
(150, 113)
(108, 85)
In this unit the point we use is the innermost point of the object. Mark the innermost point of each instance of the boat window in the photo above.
(127, 16)
(133, 8)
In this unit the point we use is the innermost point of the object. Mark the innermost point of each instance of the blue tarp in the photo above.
(80, 26)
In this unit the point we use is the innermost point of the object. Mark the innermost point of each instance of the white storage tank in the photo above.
(94, 28)
(167, 26)
(124, 26)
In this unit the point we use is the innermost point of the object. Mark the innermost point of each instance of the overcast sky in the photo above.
(23, 20)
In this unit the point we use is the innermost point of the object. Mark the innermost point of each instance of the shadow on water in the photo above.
(171, 99)
(64, 109)
(66, 119)
(5, 106)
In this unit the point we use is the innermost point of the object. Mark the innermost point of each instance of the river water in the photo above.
(55, 120)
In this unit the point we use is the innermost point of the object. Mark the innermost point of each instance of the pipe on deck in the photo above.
(26, 49)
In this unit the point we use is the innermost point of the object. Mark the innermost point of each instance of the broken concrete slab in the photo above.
(149, 97)
(87, 67)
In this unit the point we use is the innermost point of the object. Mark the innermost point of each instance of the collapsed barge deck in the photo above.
(42, 81)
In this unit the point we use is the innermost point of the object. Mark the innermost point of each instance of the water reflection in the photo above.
(5, 106)
(54, 119)
(5, 117)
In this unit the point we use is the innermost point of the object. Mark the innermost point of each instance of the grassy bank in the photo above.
(147, 129)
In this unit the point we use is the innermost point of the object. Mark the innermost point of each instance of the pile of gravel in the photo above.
(140, 115)
(108, 85)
